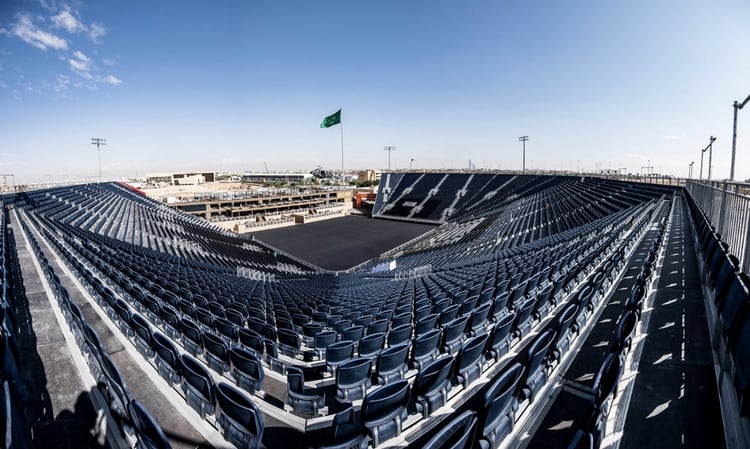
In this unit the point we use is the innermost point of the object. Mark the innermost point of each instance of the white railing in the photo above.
(727, 206)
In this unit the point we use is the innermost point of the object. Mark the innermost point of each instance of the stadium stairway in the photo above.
(675, 402)
(72, 396)
(667, 395)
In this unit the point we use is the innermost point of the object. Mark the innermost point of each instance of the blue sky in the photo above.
(230, 85)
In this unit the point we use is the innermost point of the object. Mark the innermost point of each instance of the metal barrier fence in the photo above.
(727, 205)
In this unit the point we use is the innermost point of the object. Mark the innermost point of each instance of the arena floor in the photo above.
(342, 243)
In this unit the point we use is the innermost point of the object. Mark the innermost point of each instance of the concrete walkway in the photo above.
(675, 403)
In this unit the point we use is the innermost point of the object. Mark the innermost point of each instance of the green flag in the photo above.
(333, 119)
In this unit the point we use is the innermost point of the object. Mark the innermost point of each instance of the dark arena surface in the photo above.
(342, 243)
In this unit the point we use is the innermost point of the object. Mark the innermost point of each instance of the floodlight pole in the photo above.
(524, 139)
(99, 142)
(737, 106)
(703, 151)
(690, 170)
(389, 149)
(410, 162)
(710, 154)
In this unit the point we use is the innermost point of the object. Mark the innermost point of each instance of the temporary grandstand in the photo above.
(542, 312)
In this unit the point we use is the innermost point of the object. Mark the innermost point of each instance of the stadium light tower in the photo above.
(690, 170)
(410, 163)
(99, 142)
(524, 139)
(737, 106)
(389, 149)
(710, 150)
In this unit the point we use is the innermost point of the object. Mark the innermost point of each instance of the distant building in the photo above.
(180, 179)
(270, 178)
(367, 175)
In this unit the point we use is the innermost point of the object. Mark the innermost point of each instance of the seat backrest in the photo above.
(392, 358)
(457, 434)
(324, 339)
(387, 400)
(340, 351)
(434, 375)
(216, 346)
(166, 350)
(370, 345)
(399, 334)
(353, 372)
(147, 431)
(251, 339)
(243, 411)
(607, 378)
(538, 349)
(471, 351)
(426, 343)
(198, 377)
(246, 362)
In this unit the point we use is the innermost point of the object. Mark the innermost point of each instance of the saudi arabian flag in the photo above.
(333, 119)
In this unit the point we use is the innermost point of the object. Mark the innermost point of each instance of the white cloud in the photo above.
(109, 62)
(81, 64)
(113, 80)
(97, 32)
(672, 137)
(66, 20)
(25, 30)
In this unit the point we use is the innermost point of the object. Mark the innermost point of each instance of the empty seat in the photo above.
(425, 348)
(289, 342)
(562, 326)
(448, 314)
(399, 334)
(198, 386)
(456, 434)
(624, 334)
(470, 360)
(246, 368)
(251, 340)
(427, 323)
(238, 417)
(192, 337)
(217, 352)
(377, 326)
(147, 431)
(454, 334)
(353, 333)
(391, 364)
(370, 345)
(227, 329)
(338, 353)
(143, 335)
(114, 387)
(500, 404)
(478, 320)
(432, 384)
(536, 368)
(499, 343)
(167, 358)
(384, 411)
(522, 324)
(322, 341)
(303, 401)
(346, 432)
(353, 379)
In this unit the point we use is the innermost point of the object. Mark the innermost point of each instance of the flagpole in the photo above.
(341, 125)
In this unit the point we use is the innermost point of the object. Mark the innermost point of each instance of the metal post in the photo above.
(99, 142)
(710, 154)
(524, 139)
(389, 149)
(736, 107)
(700, 176)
